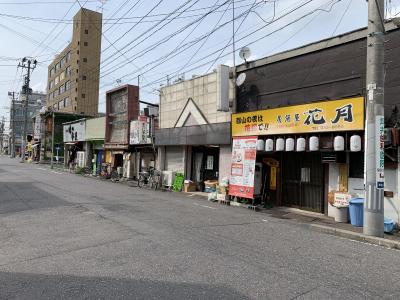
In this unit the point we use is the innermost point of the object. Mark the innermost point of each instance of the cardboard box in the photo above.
(222, 197)
(189, 187)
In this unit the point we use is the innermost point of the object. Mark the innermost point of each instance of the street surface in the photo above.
(64, 236)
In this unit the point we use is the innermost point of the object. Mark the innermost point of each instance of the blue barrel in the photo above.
(356, 209)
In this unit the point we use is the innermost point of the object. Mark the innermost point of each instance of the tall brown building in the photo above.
(73, 78)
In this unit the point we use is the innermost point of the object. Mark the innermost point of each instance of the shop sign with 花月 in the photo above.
(336, 115)
(244, 152)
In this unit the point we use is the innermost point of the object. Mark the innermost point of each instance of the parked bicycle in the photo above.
(150, 179)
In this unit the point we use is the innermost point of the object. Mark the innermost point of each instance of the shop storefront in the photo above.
(288, 156)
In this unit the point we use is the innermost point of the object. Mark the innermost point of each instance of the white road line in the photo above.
(208, 206)
(41, 169)
(264, 220)
(56, 172)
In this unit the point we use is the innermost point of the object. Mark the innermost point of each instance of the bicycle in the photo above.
(151, 179)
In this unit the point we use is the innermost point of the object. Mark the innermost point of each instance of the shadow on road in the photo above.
(22, 196)
(37, 286)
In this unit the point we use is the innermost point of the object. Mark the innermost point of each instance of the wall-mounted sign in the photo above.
(337, 115)
(241, 183)
(140, 131)
(75, 132)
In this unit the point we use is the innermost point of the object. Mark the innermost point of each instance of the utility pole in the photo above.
(28, 64)
(12, 125)
(375, 122)
(52, 140)
(2, 134)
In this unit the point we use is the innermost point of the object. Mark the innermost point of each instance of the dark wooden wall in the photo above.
(329, 74)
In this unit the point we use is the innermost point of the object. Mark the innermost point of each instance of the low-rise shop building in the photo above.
(194, 133)
(122, 107)
(304, 109)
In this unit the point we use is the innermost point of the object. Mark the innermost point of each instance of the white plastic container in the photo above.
(289, 144)
(301, 144)
(280, 144)
(260, 145)
(269, 145)
(314, 143)
(355, 143)
(338, 143)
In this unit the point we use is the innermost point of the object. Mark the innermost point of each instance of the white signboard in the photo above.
(139, 131)
(241, 183)
(37, 127)
(74, 132)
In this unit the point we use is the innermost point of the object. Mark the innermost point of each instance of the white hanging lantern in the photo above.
(355, 143)
(280, 144)
(289, 144)
(269, 145)
(260, 145)
(301, 144)
(338, 143)
(314, 143)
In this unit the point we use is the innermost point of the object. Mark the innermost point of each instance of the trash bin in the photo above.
(388, 225)
(356, 209)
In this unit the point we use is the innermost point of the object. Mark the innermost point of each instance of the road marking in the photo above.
(41, 169)
(56, 172)
(264, 220)
(208, 206)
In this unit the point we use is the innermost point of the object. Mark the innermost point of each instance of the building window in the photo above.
(60, 104)
(77, 61)
(67, 85)
(55, 106)
(85, 43)
(84, 59)
(62, 89)
(66, 102)
(62, 76)
(77, 52)
(77, 71)
(83, 77)
(68, 71)
(83, 95)
(56, 80)
(55, 68)
(68, 56)
(86, 31)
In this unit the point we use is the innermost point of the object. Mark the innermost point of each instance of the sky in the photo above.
(160, 39)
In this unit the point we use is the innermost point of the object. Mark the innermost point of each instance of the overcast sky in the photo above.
(159, 38)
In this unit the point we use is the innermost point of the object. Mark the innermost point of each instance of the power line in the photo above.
(239, 16)
(255, 41)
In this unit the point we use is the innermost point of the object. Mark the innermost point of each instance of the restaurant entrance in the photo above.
(303, 181)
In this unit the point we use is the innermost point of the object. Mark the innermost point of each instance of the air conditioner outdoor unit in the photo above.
(168, 178)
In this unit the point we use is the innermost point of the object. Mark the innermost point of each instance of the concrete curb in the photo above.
(356, 236)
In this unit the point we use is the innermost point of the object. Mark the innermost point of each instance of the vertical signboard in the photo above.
(243, 166)
(139, 132)
(380, 151)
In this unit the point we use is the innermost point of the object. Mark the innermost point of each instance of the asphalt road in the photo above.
(63, 236)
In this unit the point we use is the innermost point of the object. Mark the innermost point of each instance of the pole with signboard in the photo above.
(375, 122)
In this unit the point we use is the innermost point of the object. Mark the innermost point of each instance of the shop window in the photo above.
(356, 164)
